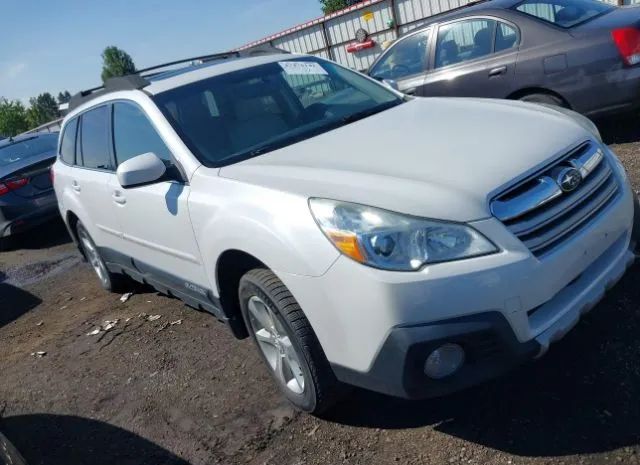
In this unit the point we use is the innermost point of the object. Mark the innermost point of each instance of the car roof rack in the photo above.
(139, 80)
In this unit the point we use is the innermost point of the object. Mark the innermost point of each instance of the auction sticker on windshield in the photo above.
(296, 68)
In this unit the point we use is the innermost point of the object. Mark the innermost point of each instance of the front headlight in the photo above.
(392, 241)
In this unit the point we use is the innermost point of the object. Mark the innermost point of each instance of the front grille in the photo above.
(542, 214)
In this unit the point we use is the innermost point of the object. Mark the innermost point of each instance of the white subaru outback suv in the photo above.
(409, 246)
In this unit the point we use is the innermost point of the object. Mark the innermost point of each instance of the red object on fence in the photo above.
(357, 46)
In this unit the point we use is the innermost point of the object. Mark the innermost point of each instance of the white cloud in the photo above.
(12, 71)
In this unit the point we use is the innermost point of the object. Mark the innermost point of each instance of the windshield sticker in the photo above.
(297, 68)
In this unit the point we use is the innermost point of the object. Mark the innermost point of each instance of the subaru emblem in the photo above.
(569, 179)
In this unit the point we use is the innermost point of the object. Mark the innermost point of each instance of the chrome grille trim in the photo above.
(584, 158)
(539, 213)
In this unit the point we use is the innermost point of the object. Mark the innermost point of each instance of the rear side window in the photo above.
(506, 37)
(134, 135)
(564, 13)
(95, 139)
(68, 144)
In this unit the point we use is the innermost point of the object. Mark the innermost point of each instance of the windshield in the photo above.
(564, 13)
(246, 113)
(28, 148)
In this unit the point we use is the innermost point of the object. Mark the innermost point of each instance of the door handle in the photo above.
(75, 186)
(498, 71)
(118, 198)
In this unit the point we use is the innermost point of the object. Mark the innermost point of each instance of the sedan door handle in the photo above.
(75, 186)
(498, 71)
(119, 198)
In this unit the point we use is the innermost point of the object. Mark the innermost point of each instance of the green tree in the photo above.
(116, 62)
(330, 6)
(43, 109)
(64, 97)
(13, 117)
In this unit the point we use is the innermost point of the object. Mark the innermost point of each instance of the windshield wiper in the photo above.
(368, 112)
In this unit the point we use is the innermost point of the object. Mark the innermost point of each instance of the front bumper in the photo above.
(490, 344)
(377, 327)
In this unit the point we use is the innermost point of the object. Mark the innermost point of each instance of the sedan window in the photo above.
(406, 58)
(463, 41)
(506, 37)
(564, 13)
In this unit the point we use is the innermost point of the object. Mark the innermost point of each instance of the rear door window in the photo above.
(463, 41)
(134, 135)
(68, 144)
(95, 139)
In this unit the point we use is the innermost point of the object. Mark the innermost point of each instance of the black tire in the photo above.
(8, 243)
(321, 388)
(111, 282)
(544, 98)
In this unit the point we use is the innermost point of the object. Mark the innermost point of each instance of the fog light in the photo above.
(444, 361)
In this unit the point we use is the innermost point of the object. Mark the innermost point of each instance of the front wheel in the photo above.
(110, 281)
(287, 342)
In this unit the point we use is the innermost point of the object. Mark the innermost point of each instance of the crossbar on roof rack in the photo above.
(138, 81)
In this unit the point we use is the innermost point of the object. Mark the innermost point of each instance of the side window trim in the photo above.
(493, 53)
(79, 157)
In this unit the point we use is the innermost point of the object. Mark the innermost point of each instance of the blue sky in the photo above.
(49, 46)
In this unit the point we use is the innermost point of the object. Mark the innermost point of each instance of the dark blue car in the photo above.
(27, 198)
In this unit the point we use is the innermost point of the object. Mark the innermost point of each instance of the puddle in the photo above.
(24, 275)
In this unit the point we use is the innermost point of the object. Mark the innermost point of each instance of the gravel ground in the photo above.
(151, 392)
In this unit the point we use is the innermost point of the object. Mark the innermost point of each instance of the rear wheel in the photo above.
(544, 98)
(110, 281)
(287, 342)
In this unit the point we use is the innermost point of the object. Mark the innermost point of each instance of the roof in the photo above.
(480, 6)
(199, 73)
(159, 77)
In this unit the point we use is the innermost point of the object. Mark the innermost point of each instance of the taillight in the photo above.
(52, 175)
(627, 40)
(8, 186)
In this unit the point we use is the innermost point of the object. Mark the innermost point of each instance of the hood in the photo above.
(440, 158)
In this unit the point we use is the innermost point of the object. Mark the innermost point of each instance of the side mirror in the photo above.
(390, 83)
(140, 170)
